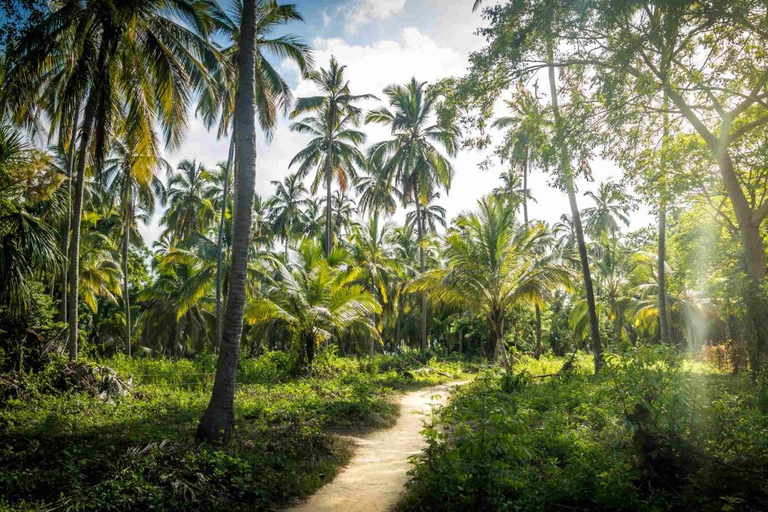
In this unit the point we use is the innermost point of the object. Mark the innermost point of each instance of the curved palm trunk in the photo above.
(128, 206)
(597, 347)
(220, 245)
(77, 212)
(218, 421)
(420, 235)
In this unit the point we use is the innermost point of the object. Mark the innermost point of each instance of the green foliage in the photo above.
(61, 446)
(513, 441)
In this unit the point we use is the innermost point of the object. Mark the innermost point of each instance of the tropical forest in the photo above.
(384, 255)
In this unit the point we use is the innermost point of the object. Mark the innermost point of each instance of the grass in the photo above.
(651, 432)
(76, 451)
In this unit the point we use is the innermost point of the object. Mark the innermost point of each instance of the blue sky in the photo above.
(381, 42)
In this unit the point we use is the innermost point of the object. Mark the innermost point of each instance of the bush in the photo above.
(651, 432)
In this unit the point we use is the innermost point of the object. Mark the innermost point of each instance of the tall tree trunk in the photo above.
(65, 238)
(537, 309)
(220, 244)
(664, 326)
(328, 180)
(420, 235)
(77, 213)
(525, 187)
(218, 421)
(597, 347)
(755, 260)
(128, 213)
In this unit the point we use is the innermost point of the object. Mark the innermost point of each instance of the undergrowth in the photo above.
(65, 448)
(651, 432)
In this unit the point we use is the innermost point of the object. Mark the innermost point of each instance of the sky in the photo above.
(383, 42)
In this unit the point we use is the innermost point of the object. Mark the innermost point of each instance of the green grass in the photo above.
(80, 452)
(513, 442)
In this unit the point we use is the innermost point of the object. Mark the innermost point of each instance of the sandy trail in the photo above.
(374, 478)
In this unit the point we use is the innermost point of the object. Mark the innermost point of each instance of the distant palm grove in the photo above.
(347, 278)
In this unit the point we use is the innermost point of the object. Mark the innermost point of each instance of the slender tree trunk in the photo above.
(128, 206)
(664, 326)
(420, 235)
(220, 244)
(525, 187)
(328, 180)
(65, 238)
(594, 323)
(538, 331)
(77, 213)
(218, 421)
(537, 309)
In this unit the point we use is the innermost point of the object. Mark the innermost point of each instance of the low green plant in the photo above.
(536, 439)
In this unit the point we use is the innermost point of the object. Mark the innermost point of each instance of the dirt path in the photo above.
(374, 478)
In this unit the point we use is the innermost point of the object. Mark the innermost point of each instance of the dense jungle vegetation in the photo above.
(610, 366)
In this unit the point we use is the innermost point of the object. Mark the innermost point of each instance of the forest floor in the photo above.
(376, 475)
(64, 443)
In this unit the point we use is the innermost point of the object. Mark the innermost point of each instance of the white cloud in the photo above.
(370, 68)
(366, 11)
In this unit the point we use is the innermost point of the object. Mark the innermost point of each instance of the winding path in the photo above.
(374, 478)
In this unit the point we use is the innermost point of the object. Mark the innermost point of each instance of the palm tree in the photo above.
(374, 258)
(286, 207)
(377, 193)
(333, 151)
(491, 266)
(189, 211)
(135, 64)
(315, 300)
(27, 243)
(610, 210)
(138, 186)
(273, 95)
(217, 422)
(432, 215)
(411, 156)
(524, 131)
(313, 219)
(345, 209)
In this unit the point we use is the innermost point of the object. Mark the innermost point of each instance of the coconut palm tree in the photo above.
(217, 422)
(345, 209)
(378, 267)
(273, 95)
(189, 211)
(27, 243)
(377, 193)
(611, 210)
(524, 130)
(432, 215)
(137, 184)
(286, 207)
(333, 150)
(135, 64)
(411, 156)
(313, 219)
(315, 300)
(491, 267)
